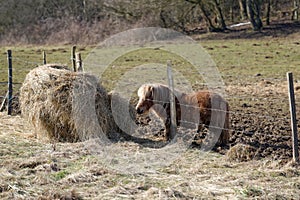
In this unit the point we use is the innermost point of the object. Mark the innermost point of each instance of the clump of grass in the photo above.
(251, 191)
(60, 175)
(241, 153)
(73, 194)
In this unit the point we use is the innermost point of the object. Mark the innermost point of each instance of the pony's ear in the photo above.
(150, 92)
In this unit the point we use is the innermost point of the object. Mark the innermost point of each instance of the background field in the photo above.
(254, 72)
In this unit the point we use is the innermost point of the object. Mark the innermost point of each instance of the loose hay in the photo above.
(66, 106)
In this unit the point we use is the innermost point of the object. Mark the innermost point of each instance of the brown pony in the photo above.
(199, 108)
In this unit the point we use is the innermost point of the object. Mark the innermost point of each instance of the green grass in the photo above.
(60, 175)
(271, 58)
(25, 58)
(153, 57)
(236, 60)
(251, 191)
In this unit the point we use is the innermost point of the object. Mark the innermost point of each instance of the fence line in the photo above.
(224, 111)
(252, 98)
(210, 126)
(43, 60)
(28, 62)
(15, 83)
(256, 78)
(5, 97)
(196, 124)
(281, 77)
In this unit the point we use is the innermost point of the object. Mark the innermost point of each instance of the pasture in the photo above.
(254, 73)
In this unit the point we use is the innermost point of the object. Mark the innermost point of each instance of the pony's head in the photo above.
(145, 94)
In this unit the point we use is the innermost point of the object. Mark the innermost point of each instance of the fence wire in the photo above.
(224, 111)
(240, 97)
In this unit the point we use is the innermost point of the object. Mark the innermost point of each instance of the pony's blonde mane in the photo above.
(161, 92)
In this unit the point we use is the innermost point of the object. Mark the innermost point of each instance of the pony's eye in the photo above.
(148, 94)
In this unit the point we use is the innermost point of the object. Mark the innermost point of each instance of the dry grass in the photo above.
(241, 153)
(35, 170)
(31, 169)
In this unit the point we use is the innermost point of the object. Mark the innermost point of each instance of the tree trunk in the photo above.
(205, 10)
(251, 14)
(207, 19)
(268, 12)
(231, 14)
(163, 19)
(221, 20)
(257, 6)
(296, 10)
(253, 9)
(243, 9)
(84, 10)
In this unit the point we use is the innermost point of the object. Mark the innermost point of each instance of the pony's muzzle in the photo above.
(139, 110)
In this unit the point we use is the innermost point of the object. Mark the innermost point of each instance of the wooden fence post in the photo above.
(293, 117)
(73, 58)
(44, 58)
(10, 83)
(79, 62)
(172, 101)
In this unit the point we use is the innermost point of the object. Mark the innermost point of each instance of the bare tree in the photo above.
(243, 9)
(253, 9)
(268, 12)
(211, 12)
(220, 16)
(296, 10)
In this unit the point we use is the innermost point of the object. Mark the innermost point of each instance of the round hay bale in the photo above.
(66, 106)
(241, 153)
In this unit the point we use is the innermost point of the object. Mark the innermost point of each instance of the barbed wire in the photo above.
(16, 70)
(14, 83)
(256, 99)
(258, 76)
(217, 127)
(224, 111)
(210, 126)
(5, 97)
(262, 77)
(181, 122)
(27, 62)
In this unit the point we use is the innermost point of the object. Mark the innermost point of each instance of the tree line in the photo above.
(37, 21)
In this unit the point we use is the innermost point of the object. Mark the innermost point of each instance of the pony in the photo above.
(202, 108)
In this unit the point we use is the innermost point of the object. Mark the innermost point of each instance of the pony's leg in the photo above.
(168, 129)
(224, 139)
(225, 135)
(201, 128)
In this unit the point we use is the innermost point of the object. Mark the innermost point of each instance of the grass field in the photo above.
(271, 58)
(254, 72)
